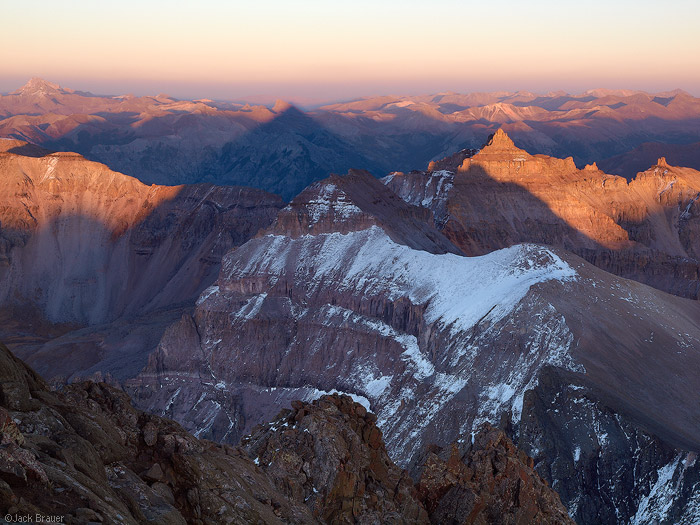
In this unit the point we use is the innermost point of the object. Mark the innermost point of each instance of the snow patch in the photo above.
(251, 308)
(207, 293)
(459, 291)
(376, 387)
(316, 394)
(654, 507)
(50, 168)
(333, 201)
(171, 401)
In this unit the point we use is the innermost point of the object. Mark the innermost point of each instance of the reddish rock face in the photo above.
(493, 482)
(82, 245)
(330, 454)
(98, 245)
(646, 229)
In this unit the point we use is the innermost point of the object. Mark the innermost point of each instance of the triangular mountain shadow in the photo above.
(293, 144)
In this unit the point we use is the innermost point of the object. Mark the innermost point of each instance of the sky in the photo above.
(323, 50)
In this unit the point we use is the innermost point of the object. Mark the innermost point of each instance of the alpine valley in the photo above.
(503, 337)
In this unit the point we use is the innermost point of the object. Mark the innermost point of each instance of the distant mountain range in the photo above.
(283, 149)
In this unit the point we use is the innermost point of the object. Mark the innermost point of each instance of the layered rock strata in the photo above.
(645, 229)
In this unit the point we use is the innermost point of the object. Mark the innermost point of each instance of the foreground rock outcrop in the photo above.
(492, 482)
(331, 455)
(86, 455)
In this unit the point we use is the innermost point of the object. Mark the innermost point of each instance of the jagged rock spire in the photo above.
(501, 140)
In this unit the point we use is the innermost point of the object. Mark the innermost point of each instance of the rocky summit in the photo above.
(644, 229)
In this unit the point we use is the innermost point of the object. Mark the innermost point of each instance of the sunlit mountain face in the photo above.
(282, 148)
(500, 290)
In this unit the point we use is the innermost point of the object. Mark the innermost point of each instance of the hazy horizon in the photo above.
(266, 96)
(313, 51)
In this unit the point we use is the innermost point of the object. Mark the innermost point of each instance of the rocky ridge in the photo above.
(493, 482)
(645, 229)
(81, 245)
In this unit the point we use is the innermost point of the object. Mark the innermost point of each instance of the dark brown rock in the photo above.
(153, 474)
(76, 454)
(493, 482)
(331, 456)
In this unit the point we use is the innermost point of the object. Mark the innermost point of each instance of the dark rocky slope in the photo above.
(86, 455)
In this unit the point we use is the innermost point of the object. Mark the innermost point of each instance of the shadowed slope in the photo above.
(82, 245)
(99, 245)
(640, 158)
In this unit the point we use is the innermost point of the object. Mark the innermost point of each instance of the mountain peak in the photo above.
(39, 86)
(281, 106)
(662, 162)
(500, 140)
(358, 201)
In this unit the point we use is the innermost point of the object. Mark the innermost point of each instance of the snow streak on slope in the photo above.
(655, 506)
(331, 199)
(428, 191)
(459, 291)
(326, 278)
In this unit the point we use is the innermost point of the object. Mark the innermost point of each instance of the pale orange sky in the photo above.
(328, 50)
